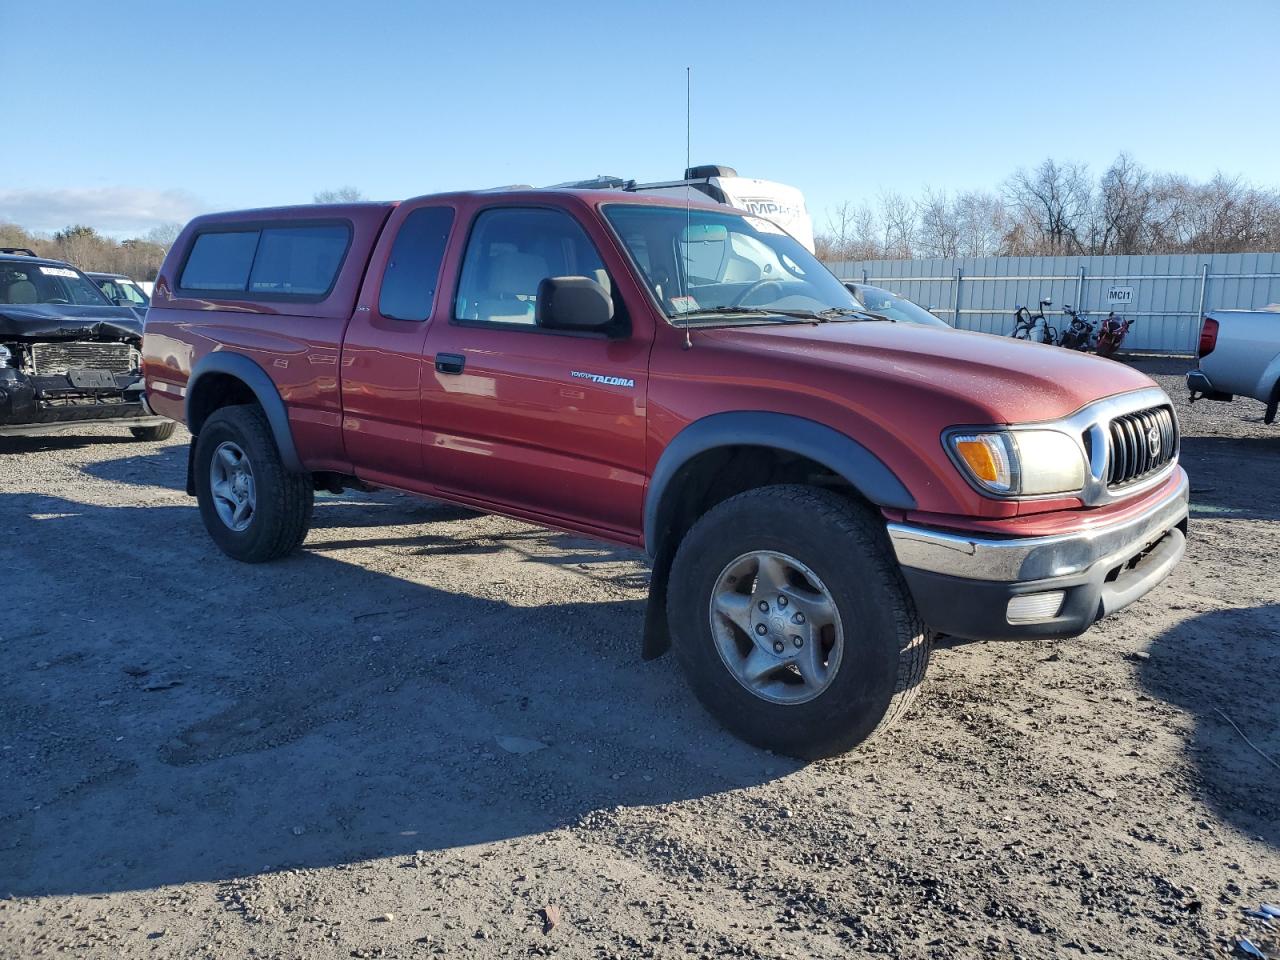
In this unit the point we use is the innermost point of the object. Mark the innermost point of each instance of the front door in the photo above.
(547, 424)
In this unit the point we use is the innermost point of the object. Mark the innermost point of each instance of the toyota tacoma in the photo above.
(821, 490)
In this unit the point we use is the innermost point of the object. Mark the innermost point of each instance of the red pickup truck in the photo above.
(820, 490)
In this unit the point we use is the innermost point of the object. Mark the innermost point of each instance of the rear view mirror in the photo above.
(704, 233)
(573, 303)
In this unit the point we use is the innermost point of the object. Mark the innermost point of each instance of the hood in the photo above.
(984, 378)
(66, 321)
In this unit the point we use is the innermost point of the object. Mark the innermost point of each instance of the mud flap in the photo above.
(657, 631)
(191, 467)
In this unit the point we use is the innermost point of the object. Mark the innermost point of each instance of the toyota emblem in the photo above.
(1153, 442)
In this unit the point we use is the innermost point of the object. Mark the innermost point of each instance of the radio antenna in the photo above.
(688, 196)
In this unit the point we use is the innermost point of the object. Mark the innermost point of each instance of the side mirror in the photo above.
(573, 303)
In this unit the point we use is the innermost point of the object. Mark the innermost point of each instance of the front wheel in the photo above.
(254, 509)
(792, 622)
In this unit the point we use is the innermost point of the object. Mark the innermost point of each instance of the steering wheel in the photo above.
(739, 300)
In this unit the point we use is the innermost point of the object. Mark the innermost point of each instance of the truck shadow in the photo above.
(173, 716)
(1225, 661)
(389, 513)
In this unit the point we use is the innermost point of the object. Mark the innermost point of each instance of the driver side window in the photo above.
(513, 250)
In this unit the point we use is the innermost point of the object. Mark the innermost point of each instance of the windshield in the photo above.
(896, 308)
(704, 264)
(30, 283)
(120, 288)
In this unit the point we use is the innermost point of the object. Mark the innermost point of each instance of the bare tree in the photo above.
(1122, 210)
(852, 234)
(939, 225)
(1054, 199)
(340, 195)
(898, 222)
(164, 234)
(983, 223)
(836, 239)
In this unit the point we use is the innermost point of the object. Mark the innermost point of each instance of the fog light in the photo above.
(1035, 606)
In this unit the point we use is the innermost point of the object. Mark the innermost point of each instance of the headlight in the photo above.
(6, 355)
(1020, 463)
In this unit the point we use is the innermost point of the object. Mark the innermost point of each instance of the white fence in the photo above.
(1165, 295)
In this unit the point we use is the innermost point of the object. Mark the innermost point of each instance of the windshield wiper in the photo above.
(789, 316)
(834, 312)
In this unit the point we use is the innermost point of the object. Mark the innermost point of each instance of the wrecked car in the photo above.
(68, 356)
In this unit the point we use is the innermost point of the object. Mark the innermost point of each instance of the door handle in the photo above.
(450, 362)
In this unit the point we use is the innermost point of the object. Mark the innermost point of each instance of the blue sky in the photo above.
(134, 113)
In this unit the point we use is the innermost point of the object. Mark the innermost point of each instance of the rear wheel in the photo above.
(159, 432)
(254, 509)
(792, 621)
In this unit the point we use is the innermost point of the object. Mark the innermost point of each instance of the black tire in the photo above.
(884, 660)
(155, 434)
(284, 500)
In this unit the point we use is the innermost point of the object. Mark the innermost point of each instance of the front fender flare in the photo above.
(264, 390)
(839, 453)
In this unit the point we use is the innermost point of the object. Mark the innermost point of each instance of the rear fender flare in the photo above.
(264, 390)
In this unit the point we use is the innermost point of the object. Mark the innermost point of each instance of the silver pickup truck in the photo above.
(1239, 356)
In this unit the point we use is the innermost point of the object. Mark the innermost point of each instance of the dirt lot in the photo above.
(430, 730)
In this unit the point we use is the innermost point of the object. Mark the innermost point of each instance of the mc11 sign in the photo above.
(1119, 295)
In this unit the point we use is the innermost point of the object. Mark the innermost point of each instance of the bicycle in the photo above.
(1080, 334)
(1024, 324)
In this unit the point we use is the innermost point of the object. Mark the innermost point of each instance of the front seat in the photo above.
(22, 291)
(513, 288)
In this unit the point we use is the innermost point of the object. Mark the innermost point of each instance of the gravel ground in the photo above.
(430, 733)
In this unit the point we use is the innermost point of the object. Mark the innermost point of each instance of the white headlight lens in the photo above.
(5, 355)
(1025, 463)
(1051, 462)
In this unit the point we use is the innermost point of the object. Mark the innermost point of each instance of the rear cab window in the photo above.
(294, 261)
(412, 274)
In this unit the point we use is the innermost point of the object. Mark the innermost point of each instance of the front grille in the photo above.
(1140, 444)
(48, 359)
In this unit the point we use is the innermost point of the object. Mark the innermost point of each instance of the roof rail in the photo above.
(692, 176)
(602, 182)
(18, 251)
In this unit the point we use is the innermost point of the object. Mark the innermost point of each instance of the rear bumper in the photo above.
(966, 585)
(1200, 386)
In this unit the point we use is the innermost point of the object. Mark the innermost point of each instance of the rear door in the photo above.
(541, 423)
(383, 350)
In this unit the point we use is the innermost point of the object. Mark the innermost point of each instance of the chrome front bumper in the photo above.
(964, 584)
(1035, 558)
